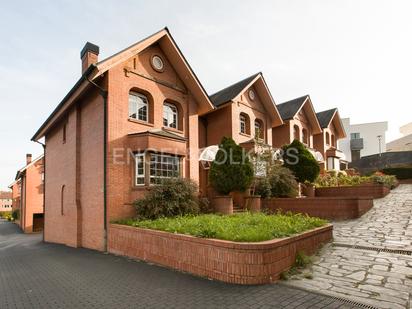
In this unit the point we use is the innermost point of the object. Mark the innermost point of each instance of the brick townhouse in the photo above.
(6, 202)
(327, 141)
(27, 195)
(133, 117)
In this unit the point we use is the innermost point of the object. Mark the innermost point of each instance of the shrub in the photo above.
(306, 168)
(399, 172)
(16, 214)
(5, 214)
(263, 188)
(387, 180)
(232, 169)
(171, 197)
(282, 182)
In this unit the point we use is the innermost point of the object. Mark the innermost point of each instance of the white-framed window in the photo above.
(138, 106)
(163, 166)
(170, 115)
(259, 131)
(139, 159)
(242, 120)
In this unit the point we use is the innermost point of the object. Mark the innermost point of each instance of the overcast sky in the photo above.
(354, 55)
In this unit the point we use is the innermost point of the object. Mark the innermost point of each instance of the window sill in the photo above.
(140, 188)
(140, 122)
(244, 134)
(172, 130)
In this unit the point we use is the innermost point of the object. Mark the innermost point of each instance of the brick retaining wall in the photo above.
(331, 208)
(228, 261)
(366, 190)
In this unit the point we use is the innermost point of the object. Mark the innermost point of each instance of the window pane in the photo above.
(139, 169)
(169, 116)
(138, 106)
(163, 166)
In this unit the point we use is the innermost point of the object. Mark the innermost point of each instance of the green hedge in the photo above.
(399, 172)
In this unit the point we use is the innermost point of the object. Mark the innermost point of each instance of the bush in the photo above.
(232, 169)
(399, 172)
(5, 214)
(282, 182)
(387, 180)
(171, 197)
(263, 188)
(306, 169)
(16, 214)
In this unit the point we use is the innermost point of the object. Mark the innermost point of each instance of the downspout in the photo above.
(44, 187)
(103, 94)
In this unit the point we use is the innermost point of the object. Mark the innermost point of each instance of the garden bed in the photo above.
(229, 261)
(362, 190)
(331, 208)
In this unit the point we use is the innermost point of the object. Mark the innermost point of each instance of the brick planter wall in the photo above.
(331, 208)
(366, 190)
(228, 261)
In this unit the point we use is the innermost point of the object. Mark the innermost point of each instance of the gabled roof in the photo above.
(233, 92)
(332, 116)
(288, 110)
(229, 93)
(20, 171)
(325, 117)
(169, 47)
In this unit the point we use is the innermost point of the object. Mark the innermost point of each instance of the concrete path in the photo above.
(378, 271)
(38, 275)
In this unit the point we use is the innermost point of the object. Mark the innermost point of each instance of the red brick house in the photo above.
(326, 142)
(129, 119)
(300, 123)
(27, 195)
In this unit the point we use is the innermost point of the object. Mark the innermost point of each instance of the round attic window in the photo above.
(157, 63)
(251, 94)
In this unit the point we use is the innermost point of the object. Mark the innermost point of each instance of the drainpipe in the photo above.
(103, 94)
(44, 186)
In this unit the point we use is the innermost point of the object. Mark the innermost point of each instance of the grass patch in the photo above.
(244, 227)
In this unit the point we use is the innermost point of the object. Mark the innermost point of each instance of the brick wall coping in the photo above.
(262, 245)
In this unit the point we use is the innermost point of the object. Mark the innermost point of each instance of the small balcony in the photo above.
(356, 144)
(336, 153)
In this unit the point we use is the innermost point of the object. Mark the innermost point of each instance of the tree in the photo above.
(231, 170)
(301, 162)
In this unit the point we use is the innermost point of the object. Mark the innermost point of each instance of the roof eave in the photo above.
(49, 121)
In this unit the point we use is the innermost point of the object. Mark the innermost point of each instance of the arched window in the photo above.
(170, 115)
(296, 132)
(305, 137)
(244, 123)
(327, 138)
(62, 200)
(138, 106)
(259, 129)
(333, 141)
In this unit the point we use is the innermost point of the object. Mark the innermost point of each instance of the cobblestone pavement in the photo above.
(38, 275)
(380, 278)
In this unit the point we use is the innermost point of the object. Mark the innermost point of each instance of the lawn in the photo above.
(244, 227)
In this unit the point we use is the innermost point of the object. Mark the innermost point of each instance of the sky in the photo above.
(353, 55)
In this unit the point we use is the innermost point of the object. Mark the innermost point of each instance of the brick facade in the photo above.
(331, 208)
(239, 263)
(27, 194)
(365, 190)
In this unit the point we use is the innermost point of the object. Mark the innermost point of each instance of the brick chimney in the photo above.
(28, 158)
(89, 55)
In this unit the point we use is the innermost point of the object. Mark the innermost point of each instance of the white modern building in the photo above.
(404, 143)
(363, 139)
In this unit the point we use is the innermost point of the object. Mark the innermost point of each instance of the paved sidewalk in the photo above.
(38, 275)
(378, 278)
